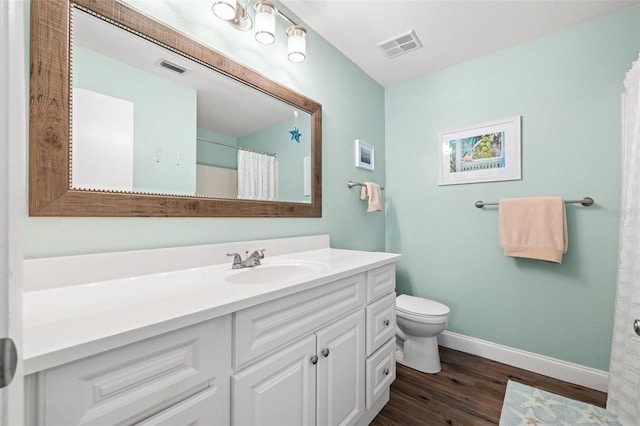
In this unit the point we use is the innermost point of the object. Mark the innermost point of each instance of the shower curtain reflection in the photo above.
(257, 176)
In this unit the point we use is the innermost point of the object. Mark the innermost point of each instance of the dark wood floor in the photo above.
(468, 391)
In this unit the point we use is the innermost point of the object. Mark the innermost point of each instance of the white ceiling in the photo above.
(451, 31)
(223, 104)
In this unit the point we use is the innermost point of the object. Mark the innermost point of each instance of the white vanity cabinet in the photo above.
(316, 374)
(194, 347)
(175, 378)
(380, 364)
(317, 380)
(321, 357)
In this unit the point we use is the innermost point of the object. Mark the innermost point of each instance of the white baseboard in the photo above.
(561, 370)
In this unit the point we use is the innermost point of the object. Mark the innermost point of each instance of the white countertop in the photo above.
(63, 324)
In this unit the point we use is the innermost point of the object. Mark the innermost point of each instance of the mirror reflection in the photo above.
(148, 120)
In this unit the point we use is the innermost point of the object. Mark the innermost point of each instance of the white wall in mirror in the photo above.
(103, 131)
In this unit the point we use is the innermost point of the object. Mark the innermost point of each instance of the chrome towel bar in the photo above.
(351, 184)
(586, 201)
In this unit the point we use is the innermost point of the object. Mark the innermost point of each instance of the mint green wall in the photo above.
(353, 108)
(164, 120)
(216, 155)
(567, 89)
(290, 155)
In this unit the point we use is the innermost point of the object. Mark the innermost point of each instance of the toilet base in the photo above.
(419, 353)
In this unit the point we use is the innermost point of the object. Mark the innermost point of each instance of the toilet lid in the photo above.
(419, 306)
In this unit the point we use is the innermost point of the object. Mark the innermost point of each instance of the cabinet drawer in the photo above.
(381, 281)
(381, 322)
(263, 328)
(380, 371)
(132, 383)
(197, 410)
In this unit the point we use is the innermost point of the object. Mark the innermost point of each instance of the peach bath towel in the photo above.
(371, 191)
(534, 227)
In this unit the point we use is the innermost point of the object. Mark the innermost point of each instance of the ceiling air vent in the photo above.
(400, 44)
(173, 67)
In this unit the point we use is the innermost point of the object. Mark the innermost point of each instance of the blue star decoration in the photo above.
(295, 134)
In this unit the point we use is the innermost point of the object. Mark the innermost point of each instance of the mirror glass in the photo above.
(148, 120)
(111, 136)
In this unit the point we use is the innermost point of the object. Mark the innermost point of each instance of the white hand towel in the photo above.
(371, 191)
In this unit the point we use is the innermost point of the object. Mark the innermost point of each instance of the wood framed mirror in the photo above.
(52, 189)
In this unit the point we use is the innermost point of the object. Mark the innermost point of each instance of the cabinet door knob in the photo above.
(325, 352)
(8, 361)
(386, 371)
(314, 359)
(636, 326)
(386, 322)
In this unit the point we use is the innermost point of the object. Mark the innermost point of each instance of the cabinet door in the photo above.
(279, 390)
(341, 371)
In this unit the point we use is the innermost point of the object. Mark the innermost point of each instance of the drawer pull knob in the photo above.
(314, 359)
(386, 371)
(386, 322)
(325, 352)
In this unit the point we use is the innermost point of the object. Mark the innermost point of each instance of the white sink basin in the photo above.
(276, 272)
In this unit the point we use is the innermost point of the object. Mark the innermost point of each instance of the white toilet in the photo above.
(419, 321)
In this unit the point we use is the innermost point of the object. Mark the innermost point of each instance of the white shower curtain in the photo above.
(624, 368)
(257, 176)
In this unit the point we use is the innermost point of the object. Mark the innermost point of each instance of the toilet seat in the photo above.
(420, 309)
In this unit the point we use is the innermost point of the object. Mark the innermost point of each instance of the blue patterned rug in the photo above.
(524, 405)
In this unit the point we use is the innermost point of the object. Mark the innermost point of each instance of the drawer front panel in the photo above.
(381, 322)
(136, 381)
(380, 371)
(263, 328)
(197, 410)
(381, 281)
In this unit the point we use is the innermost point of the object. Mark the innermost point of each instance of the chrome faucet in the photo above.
(251, 260)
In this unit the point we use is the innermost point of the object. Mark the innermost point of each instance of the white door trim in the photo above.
(13, 142)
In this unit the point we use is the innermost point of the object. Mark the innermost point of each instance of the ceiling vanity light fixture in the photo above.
(224, 9)
(265, 22)
(265, 14)
(296, 43)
